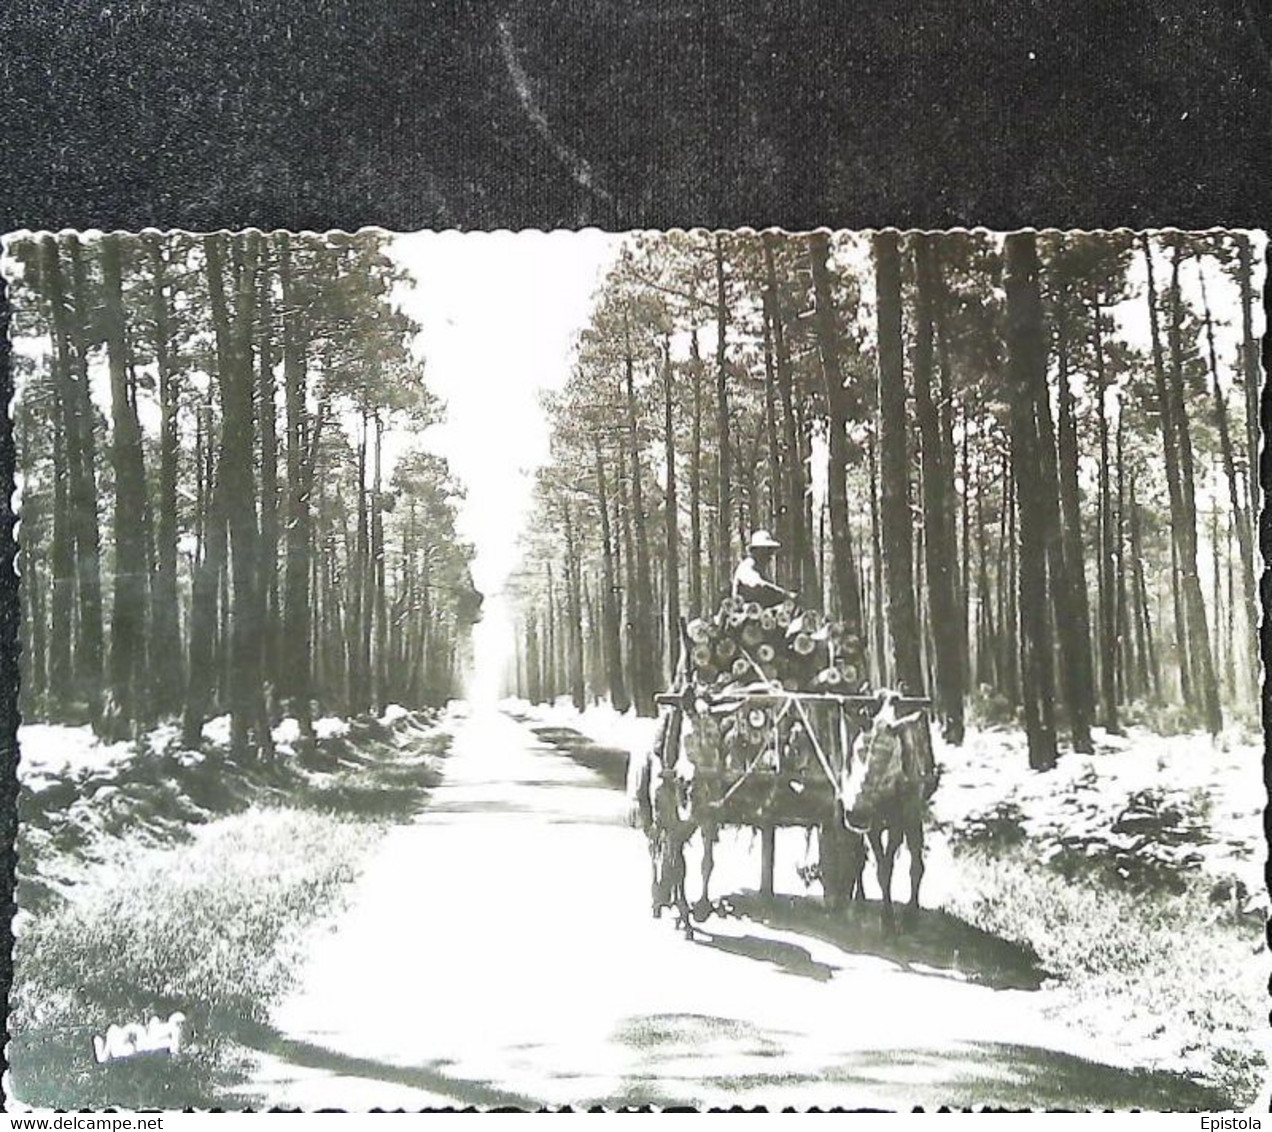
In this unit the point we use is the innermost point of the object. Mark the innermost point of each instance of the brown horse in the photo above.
(886, 785)
(669, 806)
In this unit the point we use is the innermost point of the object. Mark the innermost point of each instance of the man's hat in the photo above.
(762, 540)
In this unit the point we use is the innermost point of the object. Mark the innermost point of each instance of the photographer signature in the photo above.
(129, 1040)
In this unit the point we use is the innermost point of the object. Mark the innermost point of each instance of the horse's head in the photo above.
(878, 772)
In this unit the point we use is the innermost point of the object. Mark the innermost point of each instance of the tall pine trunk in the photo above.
(379, 597)
(800, 554)
(724, 441)
(1108, 567)
(205, 585)
(77, 569)
(128, 614)
(551, 665)
(267, 425)
(595, 638)
(1240, 517)
(574, 612)
(1170, 452)
(642, 647)
(34, 532)
(878, 637)
(894, 469)
(1126, 640)
(1027, 372)
(295, 651)
(840, 407)
(954, 505)
(940, 551)
(89, 651)
(772, 446)
(1147, 651)
(1064, 545)
(610, 598)
(986, 636)
(1009, 626)
(695, 480)
(671, 517)
(534, 685)
(1249, 365)
(363, 582)
(62, 551)
(249, 725)
(166, 676)
(1200, 659)
(626, 572)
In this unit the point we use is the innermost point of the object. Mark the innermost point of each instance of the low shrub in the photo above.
(161, 794)
(1002, 824)
(1151, 837)
(161, 880)
(212, 927)
(1169, 973)
(1152, 841)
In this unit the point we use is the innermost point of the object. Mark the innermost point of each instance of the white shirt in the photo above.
(747, 574)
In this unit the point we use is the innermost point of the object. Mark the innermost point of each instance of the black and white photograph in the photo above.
(652, 668)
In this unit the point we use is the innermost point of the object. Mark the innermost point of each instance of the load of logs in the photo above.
(795, 650)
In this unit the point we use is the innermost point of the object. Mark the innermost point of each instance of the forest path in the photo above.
(499, 951)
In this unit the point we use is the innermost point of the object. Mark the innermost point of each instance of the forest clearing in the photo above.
(364, 576)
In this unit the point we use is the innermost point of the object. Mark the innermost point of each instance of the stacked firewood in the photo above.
(782, 647)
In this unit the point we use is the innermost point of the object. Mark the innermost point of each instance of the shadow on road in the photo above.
(372, 774)
(788, 957)
(609, 762)
(936, 943)
(431, 1076)
(998, 1074)
(671, 1073)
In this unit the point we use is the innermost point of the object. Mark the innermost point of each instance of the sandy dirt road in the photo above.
(500, 951)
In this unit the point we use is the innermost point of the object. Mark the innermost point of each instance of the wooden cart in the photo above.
(754, 756)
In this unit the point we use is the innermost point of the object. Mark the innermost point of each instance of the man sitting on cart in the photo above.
(751, 579)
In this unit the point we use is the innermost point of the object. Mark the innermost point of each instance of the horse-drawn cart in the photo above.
(763, 756)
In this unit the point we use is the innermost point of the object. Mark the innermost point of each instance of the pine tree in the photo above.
(1027, 374)
(938, 491)
(894, 466)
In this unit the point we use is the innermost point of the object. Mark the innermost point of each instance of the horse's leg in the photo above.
(883, 869)
(702, 909)
(833, 851)
(645, 802)
(857, 867)
(682, 899)
(886, 846)
(914, 843)
(662, 835)
(657, 889)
